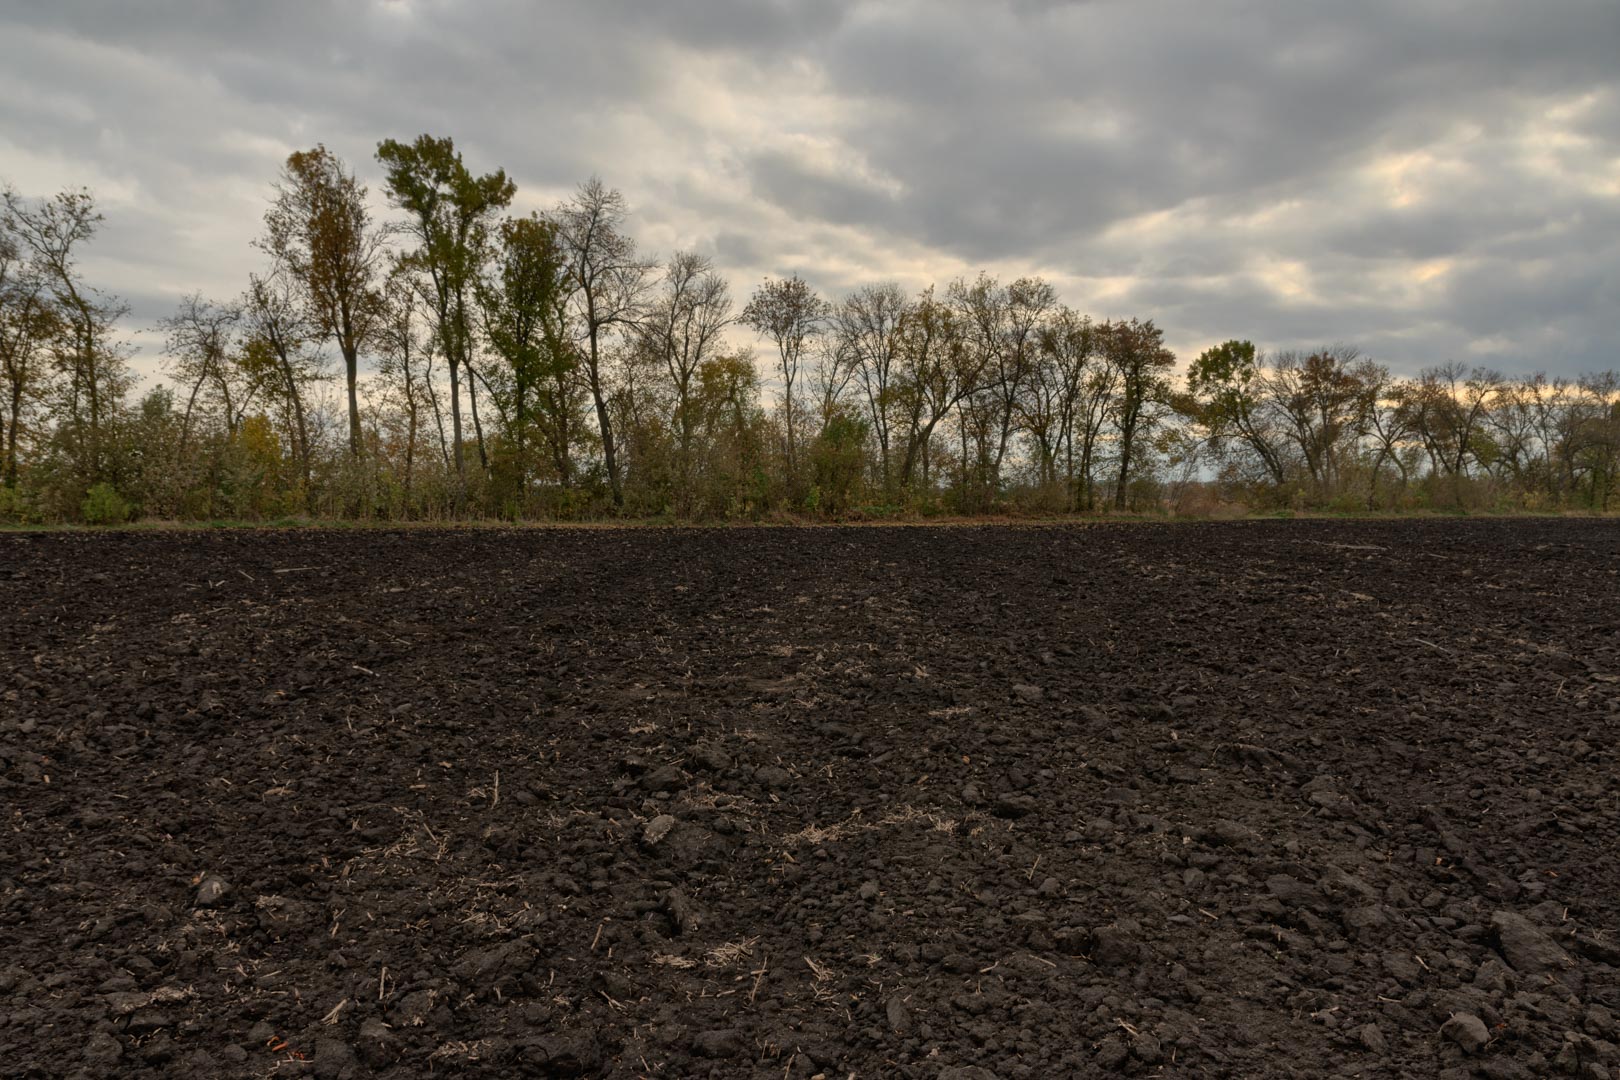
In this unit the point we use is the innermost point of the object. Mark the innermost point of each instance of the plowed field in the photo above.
(1223, 800)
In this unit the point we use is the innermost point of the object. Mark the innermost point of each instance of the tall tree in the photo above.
(1387, 429)
(405, 372)
(28, 325)
(1227, 389)
(1136, 351)
(832, 370)
(1073, 358)
(1447, 407)
(524, 301)
(278, 342)
(1006, 323)
(1321, 401)
(790, 313)
(319, 228)
(198, 340)
(726, 400)
(608, 284)
(91, 362)
(869, 323)
(1550, 400)
(682, 327)
(1050, 405)
(1595, 446)
(935, 370)
(449, 213)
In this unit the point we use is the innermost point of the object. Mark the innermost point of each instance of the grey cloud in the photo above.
(812, 194)
(1034, 134)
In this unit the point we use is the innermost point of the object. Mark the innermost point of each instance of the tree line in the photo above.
(458, 359)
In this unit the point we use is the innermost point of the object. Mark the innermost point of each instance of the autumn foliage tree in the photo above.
(320, 231)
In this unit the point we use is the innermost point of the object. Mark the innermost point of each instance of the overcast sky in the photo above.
(1427, 179)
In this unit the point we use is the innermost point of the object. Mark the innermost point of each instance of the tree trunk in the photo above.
(792, 440)
(609, 458)
(478, 427)
(1127, 435)
(351, 367)
(455, 426)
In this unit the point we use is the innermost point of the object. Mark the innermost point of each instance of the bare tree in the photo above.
(1512, 428)
(608, 282)
(1006, 324)
(29, 323)
(278, 346)
(1055, 393)
(92, 364)
(1549, 400)
(682, 326)
(405, 370)
(935, 370)
(832, 369)
(1322, 400)
(1388, 428)
(198, 342)
(1447, 407)
(790, 313)
(868, 324)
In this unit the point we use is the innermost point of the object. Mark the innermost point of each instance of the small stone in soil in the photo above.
(771, 777)
(377, 1042)
(212, 891)
(103, 1049)
(899, 1015)
(1467, 1031)
(1113, 947)
(657, 829)
(711, 758)
(666, 778)
(1526, 946)
(682, 912)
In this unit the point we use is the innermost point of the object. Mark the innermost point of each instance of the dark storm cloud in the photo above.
(1430, 180)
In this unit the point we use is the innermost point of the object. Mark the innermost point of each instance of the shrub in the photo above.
(104, 506)
(13, 505)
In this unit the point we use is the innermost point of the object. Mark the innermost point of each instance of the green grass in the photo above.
(864, 517)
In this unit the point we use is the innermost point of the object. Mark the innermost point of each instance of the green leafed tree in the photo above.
(449, 213)
(1136, 351)
(523, 297)
(1228, 396)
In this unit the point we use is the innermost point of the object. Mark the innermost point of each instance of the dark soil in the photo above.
(1241, 800)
